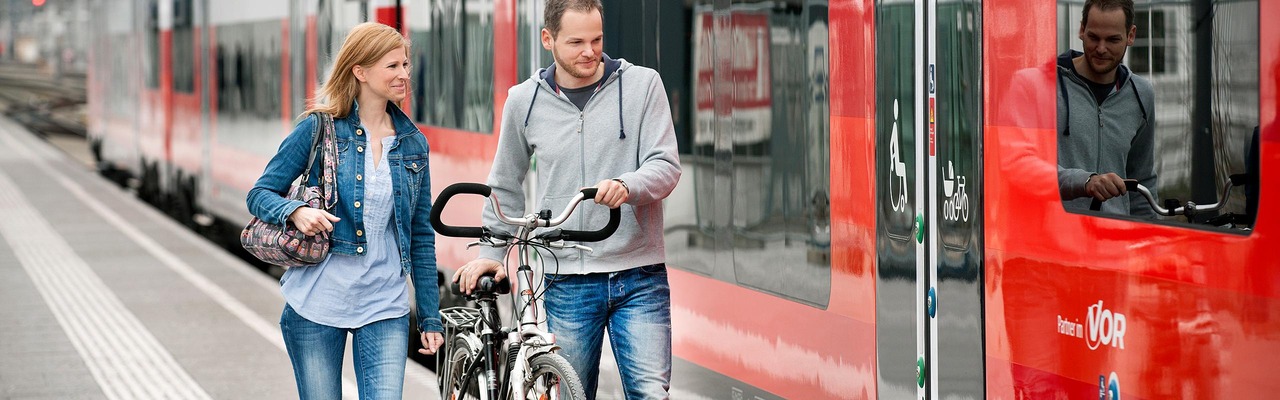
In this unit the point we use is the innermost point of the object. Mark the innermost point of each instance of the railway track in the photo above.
(43, 103)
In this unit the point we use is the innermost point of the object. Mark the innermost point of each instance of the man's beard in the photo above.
(569, 67)
(1111, 66)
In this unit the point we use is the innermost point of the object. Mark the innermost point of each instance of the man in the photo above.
(1106, 116)
(574, 116)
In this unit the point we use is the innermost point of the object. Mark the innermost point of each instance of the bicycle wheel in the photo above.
(553, 379)
(453, 375)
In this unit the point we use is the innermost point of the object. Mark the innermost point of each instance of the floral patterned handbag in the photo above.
(285, 245)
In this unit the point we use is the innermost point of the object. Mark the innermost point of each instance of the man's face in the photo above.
(1105, 39)
(578, 46)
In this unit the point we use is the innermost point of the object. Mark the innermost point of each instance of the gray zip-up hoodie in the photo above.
(1115, 136)
(624, 132)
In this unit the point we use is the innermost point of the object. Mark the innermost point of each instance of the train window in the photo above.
(753, 208)
(1188, 80)
(1153, 45)
(114, 48)
(121, 86)
(531, 55)
(184, 45)
(151, 38)
(247, 61)
(453, 63)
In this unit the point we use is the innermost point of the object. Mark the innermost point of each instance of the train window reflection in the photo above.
(1188, 80)
(247, 61)
(453, 63)
(183, 47)
(756, 156)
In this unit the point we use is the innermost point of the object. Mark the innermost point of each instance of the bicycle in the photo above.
(477, 344)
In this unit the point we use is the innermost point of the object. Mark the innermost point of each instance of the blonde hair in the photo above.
(365, 45)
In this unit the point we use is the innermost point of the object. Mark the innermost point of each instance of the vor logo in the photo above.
(1102, 327)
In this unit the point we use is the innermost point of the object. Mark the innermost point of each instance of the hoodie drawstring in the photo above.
(1066, 101)
(530, 112)
(622, 131)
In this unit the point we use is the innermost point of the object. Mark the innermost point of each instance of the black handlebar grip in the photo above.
(457, 188)
(1239, 179)
(1129, 184)
(615, 217)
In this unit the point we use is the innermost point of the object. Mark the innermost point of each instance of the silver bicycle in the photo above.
(483, 359)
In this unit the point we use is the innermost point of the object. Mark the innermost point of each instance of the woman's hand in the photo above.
(431, 342)
(312, 221)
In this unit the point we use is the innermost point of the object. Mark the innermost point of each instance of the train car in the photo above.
(869, 207)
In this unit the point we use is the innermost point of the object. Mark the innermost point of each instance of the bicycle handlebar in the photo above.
(530, 221)
(1173, 208)
(445, 195)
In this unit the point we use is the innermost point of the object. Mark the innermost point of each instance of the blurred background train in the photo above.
(868, 207)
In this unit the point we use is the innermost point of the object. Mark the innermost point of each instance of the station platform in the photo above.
(101, 296)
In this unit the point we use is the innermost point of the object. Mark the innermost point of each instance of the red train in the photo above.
(869, 207)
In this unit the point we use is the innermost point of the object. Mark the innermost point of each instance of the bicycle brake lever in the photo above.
(551, 235)
(561, 245)
(500, 243)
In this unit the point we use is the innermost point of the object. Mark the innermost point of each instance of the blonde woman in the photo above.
(380, 226)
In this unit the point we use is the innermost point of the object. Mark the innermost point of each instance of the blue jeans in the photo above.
(379, 348)
(635, 306)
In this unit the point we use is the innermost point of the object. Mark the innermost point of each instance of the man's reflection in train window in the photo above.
(1163, 77)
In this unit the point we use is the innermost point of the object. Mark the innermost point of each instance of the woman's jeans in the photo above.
(380, 350)
(635, 306)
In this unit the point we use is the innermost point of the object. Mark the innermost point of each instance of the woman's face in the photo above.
(388, 77)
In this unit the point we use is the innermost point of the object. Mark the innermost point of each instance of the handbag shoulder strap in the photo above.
(329, 158)
(315, 140)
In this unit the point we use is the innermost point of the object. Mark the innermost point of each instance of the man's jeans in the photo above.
(379, 349)
(635, 306)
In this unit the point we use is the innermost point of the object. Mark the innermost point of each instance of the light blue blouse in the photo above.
(352, 291)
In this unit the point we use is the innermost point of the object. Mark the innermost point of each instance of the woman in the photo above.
(380, 226)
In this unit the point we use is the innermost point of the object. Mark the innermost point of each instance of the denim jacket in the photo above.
(411, 181)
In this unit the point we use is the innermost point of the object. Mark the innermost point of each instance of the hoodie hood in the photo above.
(546, 77)
(1065, 62)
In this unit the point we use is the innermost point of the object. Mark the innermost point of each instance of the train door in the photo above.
(928, 201)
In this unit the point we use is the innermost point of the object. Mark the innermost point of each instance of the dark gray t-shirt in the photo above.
(579, 96)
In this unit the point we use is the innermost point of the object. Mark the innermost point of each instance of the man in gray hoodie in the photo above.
(592, 121)
(1106, 116)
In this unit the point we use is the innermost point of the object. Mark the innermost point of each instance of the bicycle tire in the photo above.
(454, 367)
(553, 378)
